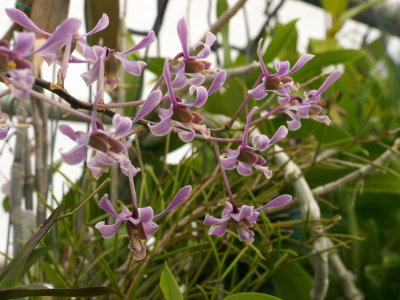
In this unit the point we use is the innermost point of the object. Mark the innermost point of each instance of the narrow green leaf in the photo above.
(20, 292)
(279, 40)
(335, 8)
(352, 12)
(251, 296)
(15, 269)
(169, 285)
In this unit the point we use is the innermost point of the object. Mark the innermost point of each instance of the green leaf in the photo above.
(335, 8)
(15, 269)
(226, 101)
(169, 285)
(251, 296)
(327, 58)
(292, 282)
(36, 255)
(280, 39)
(28, 291)
(352, 12)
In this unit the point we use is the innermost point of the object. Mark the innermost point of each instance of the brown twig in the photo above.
(358, 174)
(63, 93)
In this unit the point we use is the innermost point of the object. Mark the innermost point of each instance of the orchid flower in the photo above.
(179, 116)
(13, 63)
(280, 82)
(64, 35)
(243, 218)
(110, 146)
(139, 224)
(110, 59)
(244, 159)
(298, 108)
(191, 70)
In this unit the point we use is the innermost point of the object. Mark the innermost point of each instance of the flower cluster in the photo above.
(175, 101)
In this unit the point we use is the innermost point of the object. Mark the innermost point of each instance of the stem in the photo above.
(217, 139)
(59, 105)
(135, 212)
(121, 104)
(225, 178)
(266, 116)
(245, 101)
(98, 189)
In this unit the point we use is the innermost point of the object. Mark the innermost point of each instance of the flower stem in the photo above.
(135, 212)
(225, 178)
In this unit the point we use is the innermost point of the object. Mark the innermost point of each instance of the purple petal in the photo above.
(197, 79)
(106, 205)
(107, 230)
(145, 42)
(149, 227)
(244, 169)
(146, 214)
(277, 202)
(244, 212)
(218, 230)
(294, 125)
(68, 131)
(282, 68)
(162, 128)
(201, 96)
(229, 163)
(265, 170)
(305, 58)
(260, 142)
(167, 77)
(219, 80)
(182, 34)
(206, 51)
(52, 48)
(323, 119)
(101, 24)
(245, 234)
(186, 136)
(328, 82)
(284, 100)
(262, 64)
(149, 105)
(165, 112)
(132, 67)
(75, 155)
(258, 92)
(180, 197)
(23, 42)
(92, 75)
(279, 135)
(122, 125)
(96, 168)
(303, 111)
(22, 19)
(180, 79)
(210, 220)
